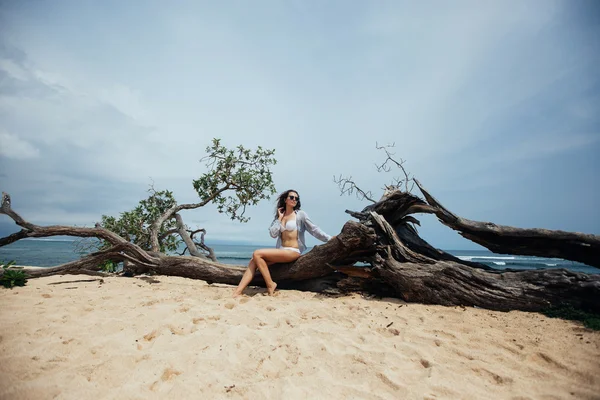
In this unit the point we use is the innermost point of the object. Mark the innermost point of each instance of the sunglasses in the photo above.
(295, 198)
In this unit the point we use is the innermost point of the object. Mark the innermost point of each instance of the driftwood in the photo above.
(396, 261)
(530, 242)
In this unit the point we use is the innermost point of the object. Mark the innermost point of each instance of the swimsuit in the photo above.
(290, 225)
(303, 224)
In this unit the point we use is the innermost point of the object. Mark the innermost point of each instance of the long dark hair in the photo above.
(281, 201)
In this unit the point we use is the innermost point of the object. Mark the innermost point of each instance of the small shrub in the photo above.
(108, 266)
(12, 277)
(567, 311)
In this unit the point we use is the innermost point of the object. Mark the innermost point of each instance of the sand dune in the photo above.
(74, 337)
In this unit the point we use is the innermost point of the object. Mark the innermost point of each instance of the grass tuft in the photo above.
(567, 311)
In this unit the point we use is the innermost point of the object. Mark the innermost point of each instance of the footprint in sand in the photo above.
(386, 380)
(168, 375)
(145, 357)
(444, 334)
(492, 376)
(229, 306)
(150, 336)
(176, 330)
(463, 355)
(53, 363)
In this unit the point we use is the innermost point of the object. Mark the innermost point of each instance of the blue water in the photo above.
(508, 261)
(47, 253)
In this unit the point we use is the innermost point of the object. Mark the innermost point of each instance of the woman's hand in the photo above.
(280, 213)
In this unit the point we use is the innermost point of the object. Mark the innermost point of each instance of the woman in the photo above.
(288, 227)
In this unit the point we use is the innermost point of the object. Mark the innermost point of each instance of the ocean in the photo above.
(49, 252)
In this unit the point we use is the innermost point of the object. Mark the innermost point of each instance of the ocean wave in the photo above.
(524, 265)
(470, 258)
(499, 263)
(50, 240)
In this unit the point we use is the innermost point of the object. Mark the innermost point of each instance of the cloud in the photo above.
(476, 96)
(126, 101)
(14, 70)
(11, 146)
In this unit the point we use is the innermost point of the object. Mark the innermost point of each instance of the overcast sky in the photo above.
(495, 106)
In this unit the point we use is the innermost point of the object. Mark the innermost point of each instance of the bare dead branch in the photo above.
(202, 245)
(5, 208)
(348, 186)
(22, 234)
(385, 167)
(187, 239)
(80, 280)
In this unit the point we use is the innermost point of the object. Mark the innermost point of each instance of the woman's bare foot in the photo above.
(271, 288)
(236, 293)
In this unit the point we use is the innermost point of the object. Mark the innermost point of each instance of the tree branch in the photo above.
(5, 208)
(187, 238)
(154, 228)
(574, 246)
(22, 234)
(211, 253)
(35, 231)
(348, 186)
(386, 168)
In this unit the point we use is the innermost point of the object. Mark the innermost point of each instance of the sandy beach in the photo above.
(80, 337)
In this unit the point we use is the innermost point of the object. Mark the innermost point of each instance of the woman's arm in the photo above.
(314, 229)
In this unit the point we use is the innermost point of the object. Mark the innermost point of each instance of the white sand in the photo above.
(184, 339)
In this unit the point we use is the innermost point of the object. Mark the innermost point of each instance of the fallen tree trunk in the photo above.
(451, 283)
(397, 262)
(573, 246)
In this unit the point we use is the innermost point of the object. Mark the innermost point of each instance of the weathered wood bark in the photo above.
(174, 210)
(450, 283)
(189, 241)
(573, 246)
(202, 245)
(398, 263)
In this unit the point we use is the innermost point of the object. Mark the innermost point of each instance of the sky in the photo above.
(494, 106)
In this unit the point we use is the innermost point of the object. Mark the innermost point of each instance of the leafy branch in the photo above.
(236, 178)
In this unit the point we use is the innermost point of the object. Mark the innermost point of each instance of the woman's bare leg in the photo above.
(263, 257)
(246, 279)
